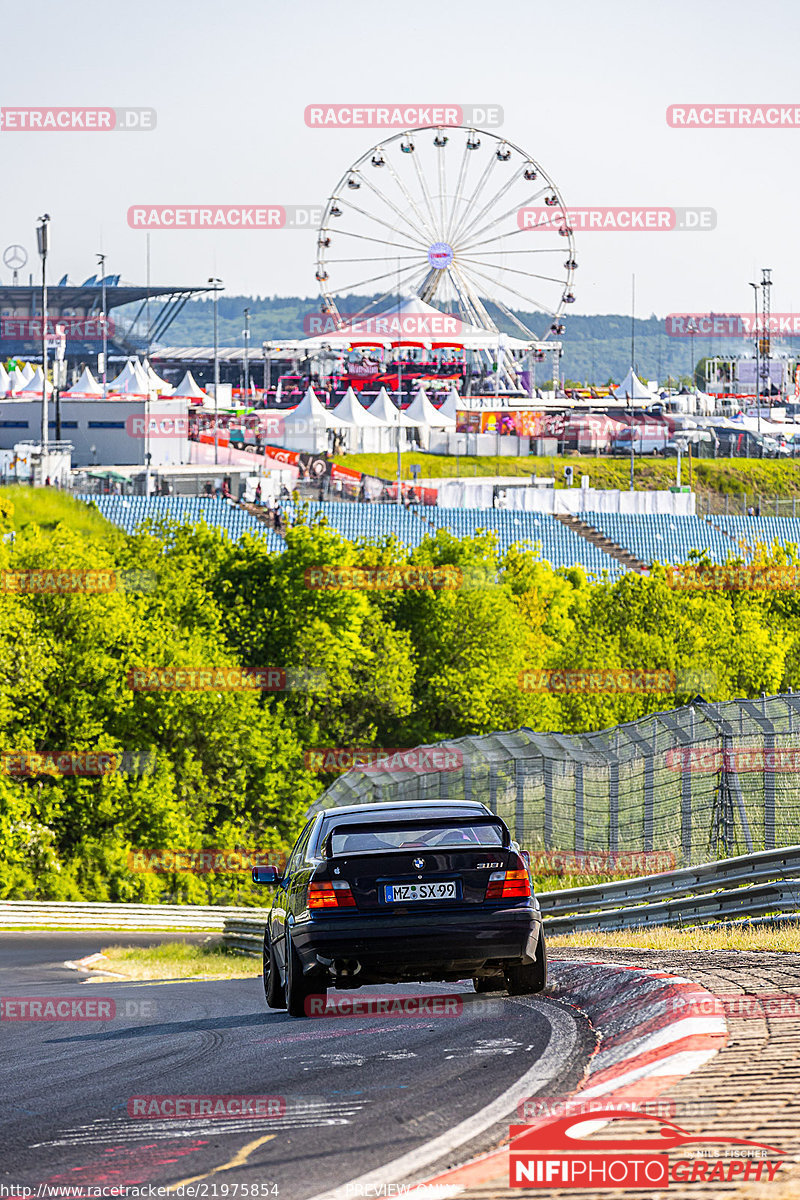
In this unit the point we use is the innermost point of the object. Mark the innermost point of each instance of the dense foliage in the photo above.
(365, 667)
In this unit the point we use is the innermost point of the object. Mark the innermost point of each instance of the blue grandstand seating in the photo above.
(651, 537)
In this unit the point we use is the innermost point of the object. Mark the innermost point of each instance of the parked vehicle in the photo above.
(647, 439)
(388, 893)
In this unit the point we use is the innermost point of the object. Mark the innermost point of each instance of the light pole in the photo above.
(43, 240)
(754, 286)
(246, 336)
(217, 284)
(267, 347)
(101, 258)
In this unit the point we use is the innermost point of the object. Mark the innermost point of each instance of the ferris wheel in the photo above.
(434, 213)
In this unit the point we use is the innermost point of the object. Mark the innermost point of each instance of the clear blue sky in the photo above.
(584, 87)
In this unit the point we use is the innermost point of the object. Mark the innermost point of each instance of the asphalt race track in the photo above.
(359, 1092)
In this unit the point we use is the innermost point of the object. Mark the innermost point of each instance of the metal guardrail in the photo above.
(750, 886)
(245, 935)
(764, 866)
(57, 914)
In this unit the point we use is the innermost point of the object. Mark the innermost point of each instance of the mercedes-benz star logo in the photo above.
(419, 863)
(15, 257)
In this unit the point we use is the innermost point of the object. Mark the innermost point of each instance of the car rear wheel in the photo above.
(524, 979)
(273, 988)
(300, 987)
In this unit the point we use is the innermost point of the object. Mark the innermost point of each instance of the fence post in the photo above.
(686, 817)
(649, 795)
(548, 803)
(579, 806)
(613, 806)
(769, 791)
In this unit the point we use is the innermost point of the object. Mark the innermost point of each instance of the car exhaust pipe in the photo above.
(345, 968)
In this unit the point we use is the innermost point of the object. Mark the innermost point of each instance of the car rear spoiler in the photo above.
(416, 823)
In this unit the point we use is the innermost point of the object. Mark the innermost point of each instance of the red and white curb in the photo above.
(650, 1039)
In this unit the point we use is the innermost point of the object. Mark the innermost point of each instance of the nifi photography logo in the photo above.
(557, 1154)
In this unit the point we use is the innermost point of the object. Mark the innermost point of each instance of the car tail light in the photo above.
(508, 885)
(330, 895)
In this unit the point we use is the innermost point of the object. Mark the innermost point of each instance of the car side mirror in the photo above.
(266, 875)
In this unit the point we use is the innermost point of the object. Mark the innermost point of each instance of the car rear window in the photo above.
(411, 837)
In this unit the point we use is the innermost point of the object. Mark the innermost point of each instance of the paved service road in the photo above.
(359, 1092)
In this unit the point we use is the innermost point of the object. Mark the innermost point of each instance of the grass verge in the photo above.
(179, 960)
(784, 938)
(735, 477)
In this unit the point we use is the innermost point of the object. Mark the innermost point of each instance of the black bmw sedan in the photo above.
(392, 893)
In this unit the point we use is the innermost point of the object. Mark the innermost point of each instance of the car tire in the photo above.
(300, 987)
(525, 979)
(487, 983)
(273, 988)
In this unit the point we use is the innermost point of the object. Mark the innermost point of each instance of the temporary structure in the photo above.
(189, 388)
(451, 405)
(364, 428)
(5, 382)
(131, 381)
(27, 373)
(422, 413)
(84, 387)
(632, 389)
(155, 381)
(386, 410)
(306, 427)
(34, 385)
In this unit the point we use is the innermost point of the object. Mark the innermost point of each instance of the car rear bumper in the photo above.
(407, 944)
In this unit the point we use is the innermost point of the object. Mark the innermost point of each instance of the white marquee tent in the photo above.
(306, 427)
(84, 387)
(632, 388)
(5, 382)
(188, 387)
(34, 386)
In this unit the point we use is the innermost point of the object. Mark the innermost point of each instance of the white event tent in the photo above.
(84, 388)
(34, 386)
(5, 382)
(364, 429)
(632, 389)
(27, 373)
(189, 388)
(306, 427)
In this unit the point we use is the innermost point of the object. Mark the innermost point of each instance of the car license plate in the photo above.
(409, 892)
